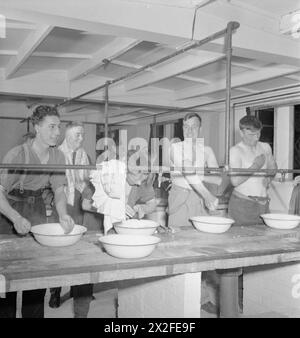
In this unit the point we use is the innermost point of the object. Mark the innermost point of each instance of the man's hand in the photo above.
(66, 223)
(259, 161)
(188, 168)
(22, 225)
(266, 182)
(296, 180)
(211, 203)
(87, 204)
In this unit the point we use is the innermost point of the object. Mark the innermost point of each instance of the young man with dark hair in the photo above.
(21, 200)
(249, 198)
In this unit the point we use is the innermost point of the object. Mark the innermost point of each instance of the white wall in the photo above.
(272, 290)
(11, 131)
(284, 137)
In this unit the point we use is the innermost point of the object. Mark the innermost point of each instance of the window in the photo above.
(297, 138)
(266, 117)
(178, 131)
(113, 133)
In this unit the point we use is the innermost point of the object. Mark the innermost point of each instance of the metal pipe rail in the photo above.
(241, 103)
(157, 169)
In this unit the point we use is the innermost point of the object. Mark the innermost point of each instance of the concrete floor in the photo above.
(103, 306)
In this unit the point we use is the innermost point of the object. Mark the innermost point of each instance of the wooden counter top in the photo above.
(28, 265)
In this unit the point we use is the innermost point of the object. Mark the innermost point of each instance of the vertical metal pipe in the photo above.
(106, 113)
(154, 127)
(228, 44)
(233, 124)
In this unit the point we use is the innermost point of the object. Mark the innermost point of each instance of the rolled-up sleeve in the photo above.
(58, 178)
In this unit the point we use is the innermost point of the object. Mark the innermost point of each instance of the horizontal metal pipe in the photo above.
(236, 104)
(62, 167)
(234, 26)
(272, 98)
(64, 121)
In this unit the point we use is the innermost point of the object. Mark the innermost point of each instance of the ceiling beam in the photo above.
(243, 79)
(99, 17)
(193, 79)
(62, 55)
(149, 23)
(19, 25)
(49, 54)
(247, 90)
(176, 66)
(8, 52)
(29, 45)
(294, 77)
(112, 50)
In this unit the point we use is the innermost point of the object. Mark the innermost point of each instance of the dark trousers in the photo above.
(82, 294)
(33, 209)
(246, 212)
(82, 297)
(32, 304)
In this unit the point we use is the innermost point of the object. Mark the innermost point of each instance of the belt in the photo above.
(27, 196)
(259, 199)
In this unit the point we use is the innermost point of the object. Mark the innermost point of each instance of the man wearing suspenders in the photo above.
(21, 201)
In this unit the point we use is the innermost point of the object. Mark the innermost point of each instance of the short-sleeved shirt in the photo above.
(33, 180)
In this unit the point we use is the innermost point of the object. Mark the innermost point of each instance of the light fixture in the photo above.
(290, 24)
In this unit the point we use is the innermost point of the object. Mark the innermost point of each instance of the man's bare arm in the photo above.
(21, 224)
(65, 220)
(212, 162)
(271, 164)
(236, 162)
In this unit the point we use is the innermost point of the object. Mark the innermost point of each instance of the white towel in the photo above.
(109, 197)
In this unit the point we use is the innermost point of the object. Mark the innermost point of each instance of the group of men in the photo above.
(21, 192)
(189, 196)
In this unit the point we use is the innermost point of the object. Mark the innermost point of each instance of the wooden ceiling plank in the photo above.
(237, 81)
(62, 55)
(172, 68)
(112, 50)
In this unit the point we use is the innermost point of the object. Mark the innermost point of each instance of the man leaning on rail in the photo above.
(249, 198)
(21, 197)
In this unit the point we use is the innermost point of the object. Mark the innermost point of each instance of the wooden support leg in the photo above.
(229, 293)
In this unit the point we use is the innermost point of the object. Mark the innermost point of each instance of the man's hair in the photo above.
(41, 112)
(73, 124)
(190, 115)
(250, 122)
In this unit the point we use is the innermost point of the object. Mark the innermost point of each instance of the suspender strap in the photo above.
(20, 183)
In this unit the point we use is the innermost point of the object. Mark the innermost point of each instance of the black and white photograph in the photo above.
(150, 161)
